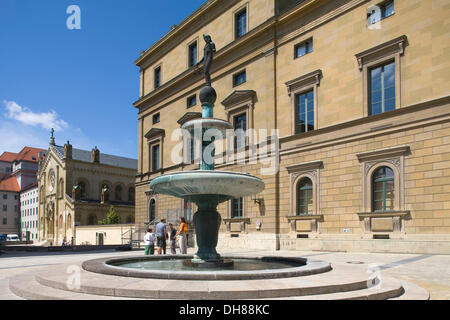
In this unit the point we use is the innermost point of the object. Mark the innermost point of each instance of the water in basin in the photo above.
(177, 265)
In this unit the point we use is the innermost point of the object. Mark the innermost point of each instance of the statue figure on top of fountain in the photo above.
(210, 49)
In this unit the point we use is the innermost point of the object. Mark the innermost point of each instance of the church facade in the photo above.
(358, 98)
(77, 188)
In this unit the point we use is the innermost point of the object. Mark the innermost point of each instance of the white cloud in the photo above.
(26, 116)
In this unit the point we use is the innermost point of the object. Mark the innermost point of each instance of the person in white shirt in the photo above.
(149, 241)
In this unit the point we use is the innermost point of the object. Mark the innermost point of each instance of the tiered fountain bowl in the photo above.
(207, 188)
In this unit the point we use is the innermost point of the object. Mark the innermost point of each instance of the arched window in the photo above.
(383, 189)
(61, 191)
(82, 186)
(304, 196)
(152, 210)
(131, 194)
(69, 222)
(92, 220)
(118, 193)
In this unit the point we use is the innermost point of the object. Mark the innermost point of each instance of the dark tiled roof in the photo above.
(85, 156)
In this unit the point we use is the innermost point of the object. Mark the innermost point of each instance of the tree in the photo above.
(111, 217)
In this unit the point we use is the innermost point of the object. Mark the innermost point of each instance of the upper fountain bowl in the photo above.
(192, 185)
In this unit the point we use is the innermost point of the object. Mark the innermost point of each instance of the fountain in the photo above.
(207, 188)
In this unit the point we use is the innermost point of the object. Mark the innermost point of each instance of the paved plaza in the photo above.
(428, 271)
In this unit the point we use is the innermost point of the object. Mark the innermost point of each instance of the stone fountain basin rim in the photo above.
(308, 267)
(202, 182)
(208, 123)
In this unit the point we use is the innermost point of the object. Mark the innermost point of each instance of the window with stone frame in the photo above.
(379, 12)
(157, 77)
(155, 141)
(304, 197)
(237, 208)
(383, 190)
(303, 92)
(240, 23)
(380, 67)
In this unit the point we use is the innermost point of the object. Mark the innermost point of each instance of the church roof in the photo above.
(85, 156)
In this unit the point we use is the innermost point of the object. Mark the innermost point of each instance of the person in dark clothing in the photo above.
(172, 238)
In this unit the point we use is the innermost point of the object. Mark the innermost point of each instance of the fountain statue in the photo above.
(205, 187)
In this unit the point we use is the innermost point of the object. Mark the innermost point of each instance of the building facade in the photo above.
(29, 213)
(9, 206)
(78, 187)
(358, 94)
(17, 178)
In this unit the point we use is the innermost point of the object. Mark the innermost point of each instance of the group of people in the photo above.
(164, 232)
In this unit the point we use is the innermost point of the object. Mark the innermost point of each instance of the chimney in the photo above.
(95, 156)
(68, 150)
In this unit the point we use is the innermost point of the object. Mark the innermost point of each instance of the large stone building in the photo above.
(17, 177)
(359, 93)
(77, 188)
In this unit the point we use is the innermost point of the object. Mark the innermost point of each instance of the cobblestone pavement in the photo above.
(431, 272)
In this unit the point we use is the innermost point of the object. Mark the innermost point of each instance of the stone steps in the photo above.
(343, 282)
(412, 292)
(386, 289)
(28, 288)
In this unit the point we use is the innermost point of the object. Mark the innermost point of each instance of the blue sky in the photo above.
(80, 82)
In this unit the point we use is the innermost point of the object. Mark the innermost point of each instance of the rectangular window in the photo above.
(380, 12)
(240, 126)
(239, 78)
(5, 196)
(193, 54)
(16, 208)
(304, 112)
(157, 77)
(237, 206)
(5, 207)
(382, 89)
(240, 23)
(303, 48)
(192, 101)
(5, 221)
(155, 157)
(156, 118)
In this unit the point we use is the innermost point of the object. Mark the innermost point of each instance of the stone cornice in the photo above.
(309, 78)
(189, 116)
(384, 153)
(155, 132)
(384, 214)
(396, 45)
(306, 217)
(239, 97)
(305, 166)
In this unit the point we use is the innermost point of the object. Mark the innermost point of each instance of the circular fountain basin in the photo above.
(208, 123)
(172, 267)
(192, 185)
